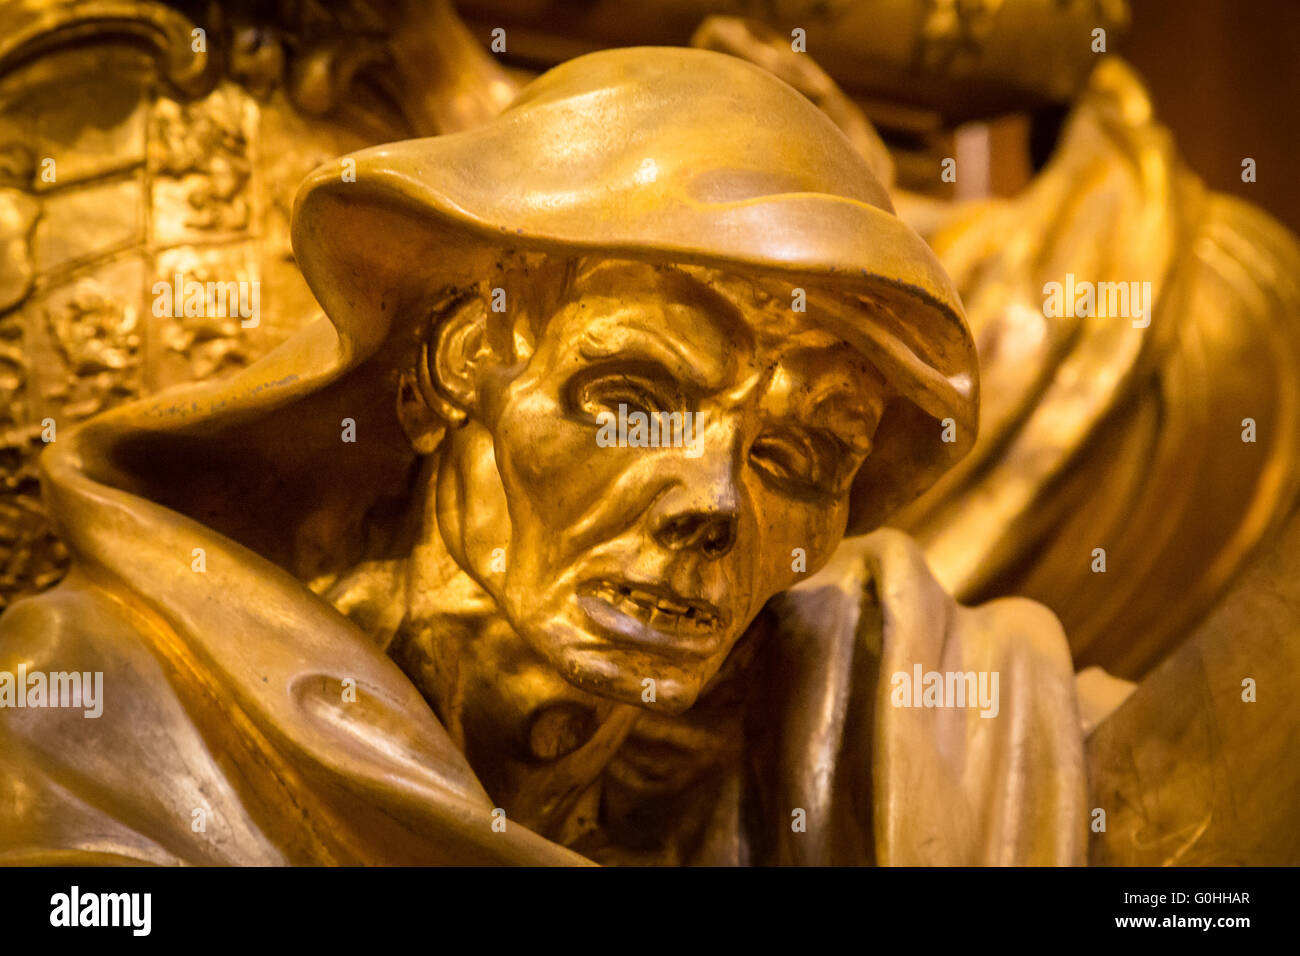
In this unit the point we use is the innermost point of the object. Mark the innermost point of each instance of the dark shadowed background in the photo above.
(1225, 77)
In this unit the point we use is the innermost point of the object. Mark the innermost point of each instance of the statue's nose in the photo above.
(711, 533)
(700, 511)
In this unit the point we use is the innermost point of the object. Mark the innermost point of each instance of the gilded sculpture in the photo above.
(384, 594)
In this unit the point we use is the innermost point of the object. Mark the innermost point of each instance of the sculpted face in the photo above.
(618, 563)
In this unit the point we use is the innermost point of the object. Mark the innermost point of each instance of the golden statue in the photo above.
(553, 543)
(591, 625)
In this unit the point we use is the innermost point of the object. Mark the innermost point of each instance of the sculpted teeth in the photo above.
(657, 610)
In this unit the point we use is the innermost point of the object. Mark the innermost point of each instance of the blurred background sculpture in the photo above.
(171, 156)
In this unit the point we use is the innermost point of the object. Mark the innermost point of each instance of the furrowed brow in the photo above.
(702, 370)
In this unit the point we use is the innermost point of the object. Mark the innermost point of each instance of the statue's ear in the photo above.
(442, 389)
(423, 426)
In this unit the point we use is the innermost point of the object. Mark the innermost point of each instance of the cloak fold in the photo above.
(940, 786)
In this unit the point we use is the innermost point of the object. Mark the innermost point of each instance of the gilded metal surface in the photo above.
(168, 159)
(373, 587)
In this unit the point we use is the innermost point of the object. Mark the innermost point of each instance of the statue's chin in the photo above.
(666, 697)
(590, 660)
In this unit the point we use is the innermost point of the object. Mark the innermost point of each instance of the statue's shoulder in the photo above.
(951, 707)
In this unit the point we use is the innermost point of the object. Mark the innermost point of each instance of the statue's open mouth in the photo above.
(620, 606)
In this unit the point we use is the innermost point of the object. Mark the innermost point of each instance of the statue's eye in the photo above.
(795, 460)
(592, 395)
(607, 397)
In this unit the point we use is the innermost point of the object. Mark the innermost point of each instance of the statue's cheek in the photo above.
(541, 452)
(797, 538)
